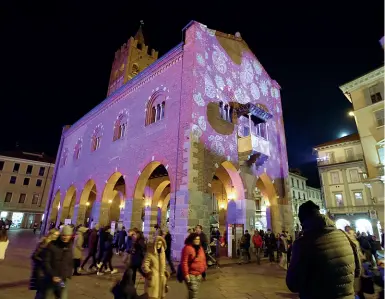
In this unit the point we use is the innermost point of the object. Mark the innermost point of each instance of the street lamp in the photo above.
(351, 113)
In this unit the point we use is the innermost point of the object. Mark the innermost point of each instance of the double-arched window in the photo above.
(96, 138)
(120, 127)
(226, 112)
(156, 109)
(77, 149)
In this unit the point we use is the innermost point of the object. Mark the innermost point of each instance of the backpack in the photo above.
(179, 272)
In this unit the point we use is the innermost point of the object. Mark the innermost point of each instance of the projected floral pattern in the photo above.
(220, 79)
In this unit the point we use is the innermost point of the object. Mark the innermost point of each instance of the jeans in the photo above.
(134, 269)
(193, 286)
(90, 254)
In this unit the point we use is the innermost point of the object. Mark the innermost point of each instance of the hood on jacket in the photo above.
(317, 223)
(152, 246)
(82, 229)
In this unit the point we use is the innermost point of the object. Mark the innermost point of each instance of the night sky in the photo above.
(55, 61)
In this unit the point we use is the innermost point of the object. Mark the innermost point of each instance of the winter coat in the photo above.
(270, 241)
(193, 263)
(154, 266)
(37, 274)
(58, 260)
(248, 240)
(3, 249)
(77, 249)
(100, 246)
(138, 252)
(324, 262)
(257, 241)
(168, 240)
(121, 237)
(93, 241)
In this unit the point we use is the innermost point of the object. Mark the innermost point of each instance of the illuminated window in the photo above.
(339, 199)
(96, 138)
(77, 149)
(359, 198)
(156, 109)
(120, 127)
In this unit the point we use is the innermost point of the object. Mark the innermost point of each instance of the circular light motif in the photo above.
(210, 89)
(254, 91)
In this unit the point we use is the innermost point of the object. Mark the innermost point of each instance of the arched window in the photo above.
(135, 69)
(120, 126)
(63, 159)
(96, 138)
(77, 149)
(156, 107)
(261, 130)
(226, 112)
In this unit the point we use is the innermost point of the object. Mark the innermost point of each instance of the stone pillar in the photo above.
(127, 213)
(159, 217)
(100, 213)
(149, 217)
(250, 214)
(63, 214)
(80, 214)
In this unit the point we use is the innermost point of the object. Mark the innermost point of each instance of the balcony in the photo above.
(350, 209)
(253, 149)
(380, 176)
(325, 161)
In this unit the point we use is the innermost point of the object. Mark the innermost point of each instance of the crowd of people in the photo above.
(323, 261)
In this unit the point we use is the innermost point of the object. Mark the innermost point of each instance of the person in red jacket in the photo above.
(193, 264)
(257, 241)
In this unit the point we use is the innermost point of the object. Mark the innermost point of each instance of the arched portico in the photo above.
(86, 203)
(53, 214)
(113, 197)
(68, 206)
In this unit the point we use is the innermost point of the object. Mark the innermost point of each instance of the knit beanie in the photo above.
(66, 230)
(307, 210)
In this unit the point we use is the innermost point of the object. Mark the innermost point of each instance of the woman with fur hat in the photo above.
(154, 267)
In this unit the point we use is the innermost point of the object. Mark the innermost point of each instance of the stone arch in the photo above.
(149, 186)
(113, 193)
(270, 197)
(68, 206)
(53, 215)
(86, 203)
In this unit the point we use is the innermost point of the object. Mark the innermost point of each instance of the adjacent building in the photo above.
(194, 137)
(366, 93)
(300, 193)
(347, 197)
(25, 180)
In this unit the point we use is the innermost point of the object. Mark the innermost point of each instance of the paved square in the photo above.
(230, 281)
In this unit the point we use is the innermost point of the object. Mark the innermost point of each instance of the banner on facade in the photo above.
(67, 221)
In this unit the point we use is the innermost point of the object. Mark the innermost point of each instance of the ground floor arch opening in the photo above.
(86, 204)
(364, 226)
(342, 223)
(68, 208)
(54, 210)
(113, 199)
(149, 198)
(266, 203)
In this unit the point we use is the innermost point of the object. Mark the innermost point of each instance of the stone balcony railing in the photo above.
(330, 161)
(253, 144)
(350, 209)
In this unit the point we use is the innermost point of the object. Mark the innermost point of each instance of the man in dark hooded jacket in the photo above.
(324, 261)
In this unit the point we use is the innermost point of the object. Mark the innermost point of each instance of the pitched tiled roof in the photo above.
(39, 157)
(348, 138)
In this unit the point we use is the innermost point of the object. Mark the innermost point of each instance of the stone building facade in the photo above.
(196, 137)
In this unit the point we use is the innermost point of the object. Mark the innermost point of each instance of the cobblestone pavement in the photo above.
(230, 281)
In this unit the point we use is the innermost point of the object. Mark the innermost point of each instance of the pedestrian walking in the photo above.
(106, 265)
(154, 268)
(34, 228)
(58, 266)
(193, 264)
(77, 249)
(168, 239)
(270, 243)
(36, 282)
(324, 260)
(137, 255)
(92, 248)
